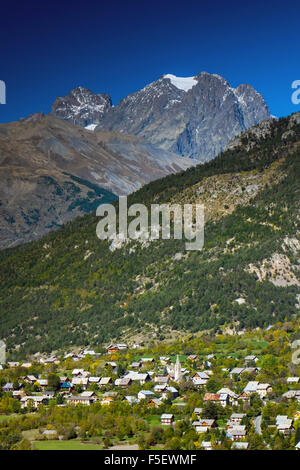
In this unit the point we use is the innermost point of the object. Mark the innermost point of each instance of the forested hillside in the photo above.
(70, 289)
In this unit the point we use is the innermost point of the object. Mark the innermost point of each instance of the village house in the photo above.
(80, 381)
(26, 365)
(89, 394)
(89, 352)
(123, 382)
(80, 400)
(235, 419)
(114, 348)
(244, 397)
(113, 365)
(284, 425)
(132, 400)
(36, 400)
(251, 358)
(251, 370)
(49, 394)
(167, 419)
(79, 373)
(251, 388)
(171, 392)
(12, 365)
(236, 432)
(105, 381)
(145, 395)
(159, 388)
(65, 386)
(156, 402)
(263, 390)
(146, 360)
(199, 383)
(30, 379)
(231, 396)
(18, 394)
(142, 378)
(220, 398)
(108, 398)
(74, 357)
(199, 376)
(8, 387)
(164, 360)
(236, 371)
(50, 360)
(161, 379)
(292, 394)
(94, 380)
(206, 445)
(193, 358)
(202, 425)
(50, 433)
(136, 365)
(43, 383)
(292, 380)
(240, 445)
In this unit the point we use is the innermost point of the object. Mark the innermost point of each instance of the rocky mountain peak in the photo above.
(82, 107)
(194, 117)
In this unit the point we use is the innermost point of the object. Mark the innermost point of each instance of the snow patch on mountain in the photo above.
(91, 127)
(182, 83)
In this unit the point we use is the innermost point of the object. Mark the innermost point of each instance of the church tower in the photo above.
(177, 371)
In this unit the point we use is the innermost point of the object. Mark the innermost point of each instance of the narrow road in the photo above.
(257, 424)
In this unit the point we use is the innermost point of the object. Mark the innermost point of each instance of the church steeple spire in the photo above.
(177, 370)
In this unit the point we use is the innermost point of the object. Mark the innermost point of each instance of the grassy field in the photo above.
(7, 417)
(14, 415)
(64, 445)
(154, 421)
(30, 434)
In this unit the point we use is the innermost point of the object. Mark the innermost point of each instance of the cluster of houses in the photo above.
(161, 377)
(234, 429)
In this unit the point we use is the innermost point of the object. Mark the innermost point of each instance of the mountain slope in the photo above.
(71, 289)
(52, 171)
(194, 117)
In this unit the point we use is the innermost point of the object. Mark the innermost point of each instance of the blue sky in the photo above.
(120, 46)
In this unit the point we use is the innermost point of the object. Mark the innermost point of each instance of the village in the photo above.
(179, 401)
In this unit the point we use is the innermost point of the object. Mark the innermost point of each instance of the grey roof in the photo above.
(237, 415)
(203, 422)
(167, 416)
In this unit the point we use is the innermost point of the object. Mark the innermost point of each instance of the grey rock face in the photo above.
(82, 107)
(252, 135)
(193, 117)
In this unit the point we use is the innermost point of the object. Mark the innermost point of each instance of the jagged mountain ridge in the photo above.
(52, 171)
(193, 117)
(196, 121)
